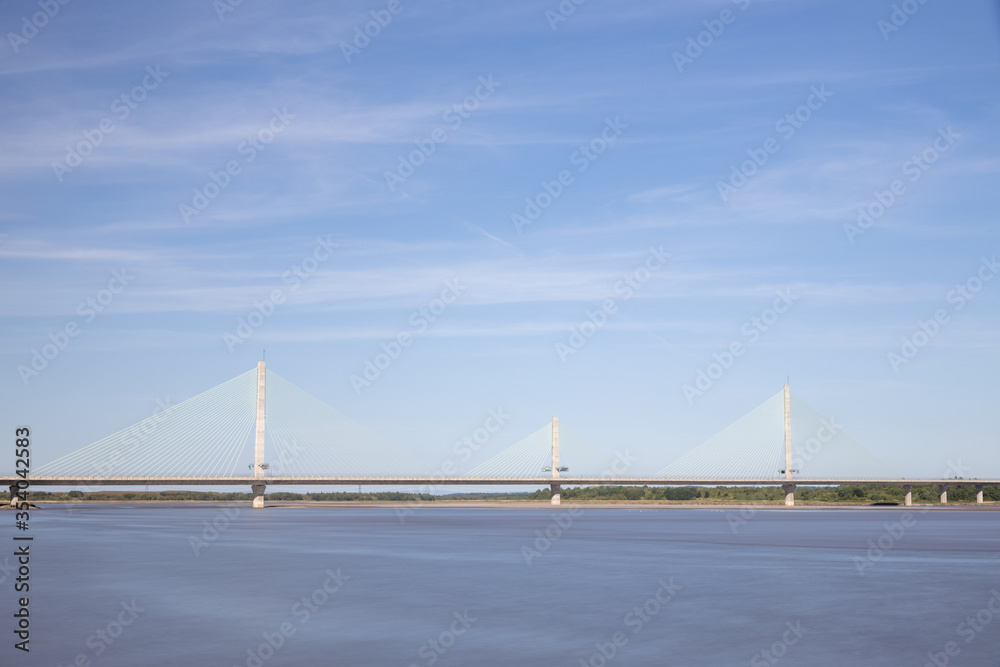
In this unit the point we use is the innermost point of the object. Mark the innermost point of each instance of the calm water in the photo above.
(680, 587)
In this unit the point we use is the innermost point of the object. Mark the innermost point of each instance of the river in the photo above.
(192, 585)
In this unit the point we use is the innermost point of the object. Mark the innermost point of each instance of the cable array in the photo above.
(585, 460)
(212, 435)
(525, 458)
(305, 437)
(821, 449)
(206, 435)
(752, 447)
(532, 457)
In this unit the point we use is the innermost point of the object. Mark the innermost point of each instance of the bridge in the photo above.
(208, 439)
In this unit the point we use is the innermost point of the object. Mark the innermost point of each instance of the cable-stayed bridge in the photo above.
(260, 430)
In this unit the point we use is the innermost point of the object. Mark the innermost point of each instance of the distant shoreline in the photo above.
(960, 495)
(540, 505)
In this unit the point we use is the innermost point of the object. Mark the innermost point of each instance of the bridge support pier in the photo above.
(556, 493)
(258, 496)
(979, 494)
(789, 494)
(908, 500)
(944, 493)
(14, 499)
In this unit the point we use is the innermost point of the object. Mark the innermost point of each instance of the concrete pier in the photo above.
(13, 495)
(555, 488)
(258, 495)
(908, 500)
(979, 494)
(258, 445)
(944, 493)
(789, 494)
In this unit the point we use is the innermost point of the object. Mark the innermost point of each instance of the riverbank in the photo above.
(531, 504)
(959, 494)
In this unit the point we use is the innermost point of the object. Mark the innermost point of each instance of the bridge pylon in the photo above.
(788, 486)
(556, 489)
(258, 446)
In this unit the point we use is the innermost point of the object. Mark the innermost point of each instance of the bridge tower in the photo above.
(258, 446)
(788, 486)
(555, 488)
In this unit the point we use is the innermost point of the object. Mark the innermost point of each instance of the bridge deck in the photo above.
(465, 481)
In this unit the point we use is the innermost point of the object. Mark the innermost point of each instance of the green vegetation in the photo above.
(855, 494)
(637, 493)
(380, 496)
(112, 496)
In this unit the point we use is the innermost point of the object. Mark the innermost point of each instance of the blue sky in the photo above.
(212, 158)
